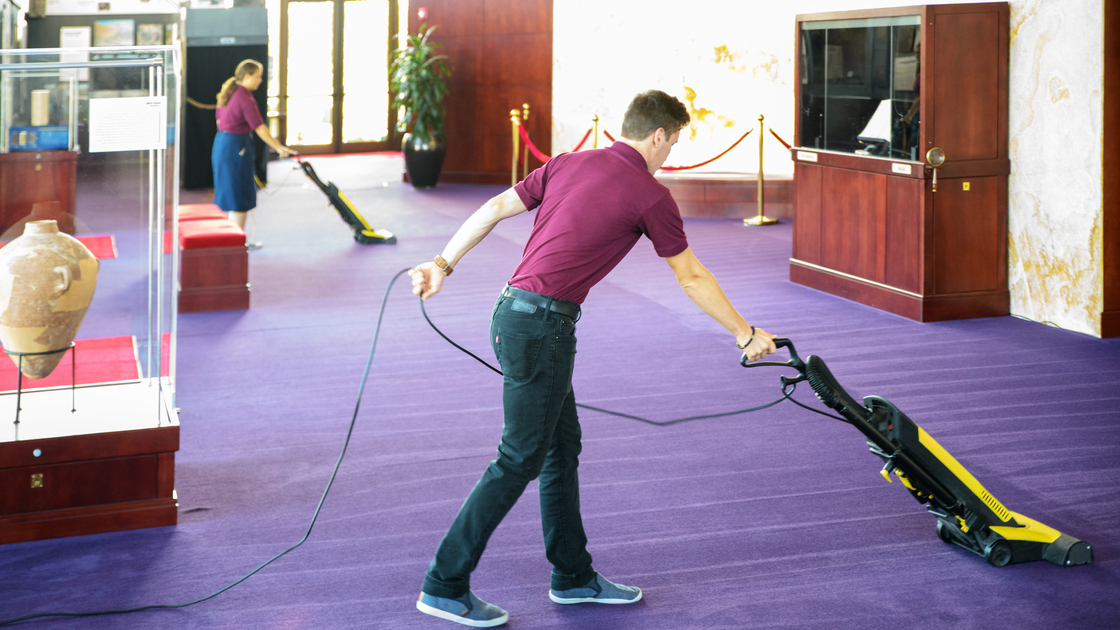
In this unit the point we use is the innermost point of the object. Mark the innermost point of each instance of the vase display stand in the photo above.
(106, 466)
(19, 387)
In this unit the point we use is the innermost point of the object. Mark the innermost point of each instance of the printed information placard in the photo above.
(127, 124)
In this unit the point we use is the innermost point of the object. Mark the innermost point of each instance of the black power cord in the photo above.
(346, 444)
(663, 423)
(314, 517)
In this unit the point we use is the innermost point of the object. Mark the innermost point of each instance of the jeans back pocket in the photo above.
(517, 354)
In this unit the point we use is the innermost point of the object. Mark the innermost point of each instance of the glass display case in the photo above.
(860, 85)
(9, 24)
(89, 140)
(901, 158)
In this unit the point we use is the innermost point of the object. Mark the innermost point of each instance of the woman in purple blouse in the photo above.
(233, 157)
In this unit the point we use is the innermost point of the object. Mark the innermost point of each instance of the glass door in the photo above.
(333, 92)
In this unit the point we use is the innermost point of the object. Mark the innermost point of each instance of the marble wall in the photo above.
(731, 61)
(1055, 190)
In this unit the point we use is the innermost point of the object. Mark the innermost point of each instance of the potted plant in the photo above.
(417, 84)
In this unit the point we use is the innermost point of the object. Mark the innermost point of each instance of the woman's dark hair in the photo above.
(244, 69)
(653, 110)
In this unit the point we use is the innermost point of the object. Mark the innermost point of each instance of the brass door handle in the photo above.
(935, 157)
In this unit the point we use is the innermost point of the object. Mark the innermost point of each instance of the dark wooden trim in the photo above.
(282, 70)
(72, 448)
(1110, 232)
(797, 82)
(336, 57)
(336, 146)
(923, 308)
(860, 13)
(89, 520)
(861, 163)
(728, 195)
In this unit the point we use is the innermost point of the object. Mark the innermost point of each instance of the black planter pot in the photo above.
(423, 160)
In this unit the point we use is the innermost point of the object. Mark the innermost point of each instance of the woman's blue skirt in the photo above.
(234, 160)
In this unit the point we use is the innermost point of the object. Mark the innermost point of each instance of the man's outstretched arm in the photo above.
(701, 287)
(427, 278)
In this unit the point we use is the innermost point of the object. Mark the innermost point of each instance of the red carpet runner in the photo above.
(105, 360)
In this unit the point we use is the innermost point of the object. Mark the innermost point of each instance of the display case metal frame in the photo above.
(109, 465)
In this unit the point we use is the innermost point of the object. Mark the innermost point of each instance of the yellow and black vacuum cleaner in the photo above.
(363, 231)
(967, 515)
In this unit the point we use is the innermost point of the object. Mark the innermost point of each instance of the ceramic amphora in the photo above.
(47, 280)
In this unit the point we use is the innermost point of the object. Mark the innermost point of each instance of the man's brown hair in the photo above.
(653, 110)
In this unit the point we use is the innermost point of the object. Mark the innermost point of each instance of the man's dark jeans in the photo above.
(541, 437)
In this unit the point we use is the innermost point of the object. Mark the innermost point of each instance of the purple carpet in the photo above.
(776, 519)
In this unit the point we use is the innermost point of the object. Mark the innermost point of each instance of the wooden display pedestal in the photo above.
(214, 279)
(53, 485)
(37, 185)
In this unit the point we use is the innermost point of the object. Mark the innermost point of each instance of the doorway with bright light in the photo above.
(331, 60)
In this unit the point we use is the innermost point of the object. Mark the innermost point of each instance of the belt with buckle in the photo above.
(571, 309)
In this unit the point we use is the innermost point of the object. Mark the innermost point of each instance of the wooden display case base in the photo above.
(92, 471)
(933, 308)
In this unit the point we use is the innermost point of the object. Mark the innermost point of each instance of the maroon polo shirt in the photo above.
(593, 206)
(240, 115)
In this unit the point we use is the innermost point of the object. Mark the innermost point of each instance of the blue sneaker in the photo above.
(468, 610)
(598, 591)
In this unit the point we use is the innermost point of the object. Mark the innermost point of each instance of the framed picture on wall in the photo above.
(113, 32)
(149, 35)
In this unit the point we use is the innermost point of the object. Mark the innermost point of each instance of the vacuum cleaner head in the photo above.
(967, 514)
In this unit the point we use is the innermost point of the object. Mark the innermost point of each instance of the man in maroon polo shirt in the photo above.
(592, 207)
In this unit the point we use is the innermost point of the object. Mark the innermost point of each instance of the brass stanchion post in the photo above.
(595, 134)
(525, 155)
(761, 219)
(513, 123)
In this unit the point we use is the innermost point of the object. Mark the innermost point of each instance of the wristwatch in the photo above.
(443, 265)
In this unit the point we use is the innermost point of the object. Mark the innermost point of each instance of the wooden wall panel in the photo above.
(966, 236)
(853, 217)
(904, 233)
(965, 86)
(500, 53)
(807, 217)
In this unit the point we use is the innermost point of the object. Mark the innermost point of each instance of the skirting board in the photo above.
(933, 308)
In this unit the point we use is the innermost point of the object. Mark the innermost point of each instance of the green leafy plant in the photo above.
(417, 84)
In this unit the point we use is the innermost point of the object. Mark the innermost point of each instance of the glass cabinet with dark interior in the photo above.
(901, 158)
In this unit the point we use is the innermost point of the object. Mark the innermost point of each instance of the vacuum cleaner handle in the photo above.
(794, 362)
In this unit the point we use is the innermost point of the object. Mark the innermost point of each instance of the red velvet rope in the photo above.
(536, 152)
(529, 143)
(585, 137)
(784, 143)
(685, 168)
